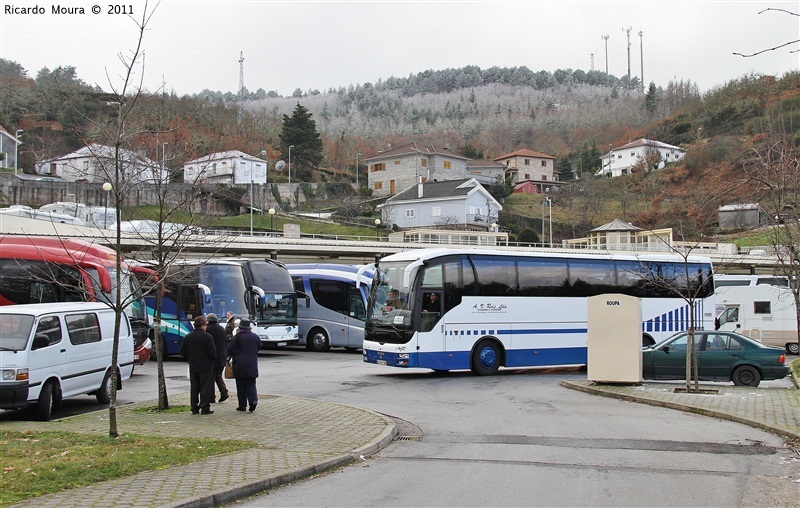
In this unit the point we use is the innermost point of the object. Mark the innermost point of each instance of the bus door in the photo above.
(357, 314)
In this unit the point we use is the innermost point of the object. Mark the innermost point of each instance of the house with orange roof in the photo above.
(532, 171)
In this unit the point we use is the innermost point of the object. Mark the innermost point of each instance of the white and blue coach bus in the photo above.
(331, 304)
(456, 309)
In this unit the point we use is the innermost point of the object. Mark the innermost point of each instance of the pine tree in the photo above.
(564, 170)
(300, 132)
(650, 103)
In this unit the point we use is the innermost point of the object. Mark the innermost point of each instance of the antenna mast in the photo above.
(605, 38)
(641, 53)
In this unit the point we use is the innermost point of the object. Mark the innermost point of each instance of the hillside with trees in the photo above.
(483, 113)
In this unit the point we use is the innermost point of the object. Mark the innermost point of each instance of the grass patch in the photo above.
(39, 463)
(794, 368)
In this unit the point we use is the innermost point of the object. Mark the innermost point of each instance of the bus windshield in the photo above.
(389, 315)
(228, 289)
(277, 308)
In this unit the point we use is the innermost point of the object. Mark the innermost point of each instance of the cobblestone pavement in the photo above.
(296, 438)
(772, 409)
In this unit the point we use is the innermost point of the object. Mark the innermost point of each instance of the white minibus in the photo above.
(52, 351)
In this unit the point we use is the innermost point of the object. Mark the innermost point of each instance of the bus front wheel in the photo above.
(318, 340)
(486, 358)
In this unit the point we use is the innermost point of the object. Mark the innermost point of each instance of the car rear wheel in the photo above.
(104, 393)
(793, 348)
(318, 340)
(746, 376)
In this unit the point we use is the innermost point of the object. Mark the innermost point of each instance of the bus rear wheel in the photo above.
(486, 358)
(793, 348)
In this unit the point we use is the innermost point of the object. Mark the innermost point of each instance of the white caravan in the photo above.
(764, 312)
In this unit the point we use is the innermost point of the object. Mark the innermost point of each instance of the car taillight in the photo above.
(781, 359)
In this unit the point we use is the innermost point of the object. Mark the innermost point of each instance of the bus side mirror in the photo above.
(716, 324)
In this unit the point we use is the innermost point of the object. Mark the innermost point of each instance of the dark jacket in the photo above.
(220, 341)
(244, 350)
(198, 348)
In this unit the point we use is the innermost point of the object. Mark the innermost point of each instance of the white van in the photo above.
(52, 351)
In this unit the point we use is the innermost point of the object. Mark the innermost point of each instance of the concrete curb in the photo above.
(680, 407)
(242, 491)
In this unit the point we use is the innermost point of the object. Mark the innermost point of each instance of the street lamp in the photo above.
(251, 199)
(271, 218)
(357, 156)
(107, 188)
(16, 149)
(290, 163)
(550, 219)
(266, 177)
(377, 225)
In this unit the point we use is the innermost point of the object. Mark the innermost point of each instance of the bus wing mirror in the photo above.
(361, 272)
(205, 293)
(716, 324)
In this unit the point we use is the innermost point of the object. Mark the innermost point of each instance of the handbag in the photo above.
(228, 370)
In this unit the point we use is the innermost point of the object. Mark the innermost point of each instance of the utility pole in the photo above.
(605, 38)
(241, 89)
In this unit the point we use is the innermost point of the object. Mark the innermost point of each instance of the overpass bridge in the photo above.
(310, 248)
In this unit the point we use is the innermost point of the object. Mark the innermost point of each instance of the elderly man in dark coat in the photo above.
(220, 341)
(198, 348)
(243, 349)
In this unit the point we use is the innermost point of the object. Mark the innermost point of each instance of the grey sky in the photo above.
(194, 45)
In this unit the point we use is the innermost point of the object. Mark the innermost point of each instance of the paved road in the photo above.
(510, 440)
(519, 439)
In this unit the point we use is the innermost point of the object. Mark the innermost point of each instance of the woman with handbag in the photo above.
(243, 349)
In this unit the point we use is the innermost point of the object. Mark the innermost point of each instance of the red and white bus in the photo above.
(50, 269)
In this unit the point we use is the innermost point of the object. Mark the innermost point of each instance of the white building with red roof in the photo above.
(620, 160)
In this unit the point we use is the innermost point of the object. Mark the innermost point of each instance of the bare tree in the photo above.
(778, 46)
(776, 171)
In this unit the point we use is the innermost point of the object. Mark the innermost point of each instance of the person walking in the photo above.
(198, 348)
(220, 342)
(243, 349)
(230, 324)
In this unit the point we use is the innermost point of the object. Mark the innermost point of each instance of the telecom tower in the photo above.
(605, 38)
(628, 31)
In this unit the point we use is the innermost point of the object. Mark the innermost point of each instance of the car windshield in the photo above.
(15, 329)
